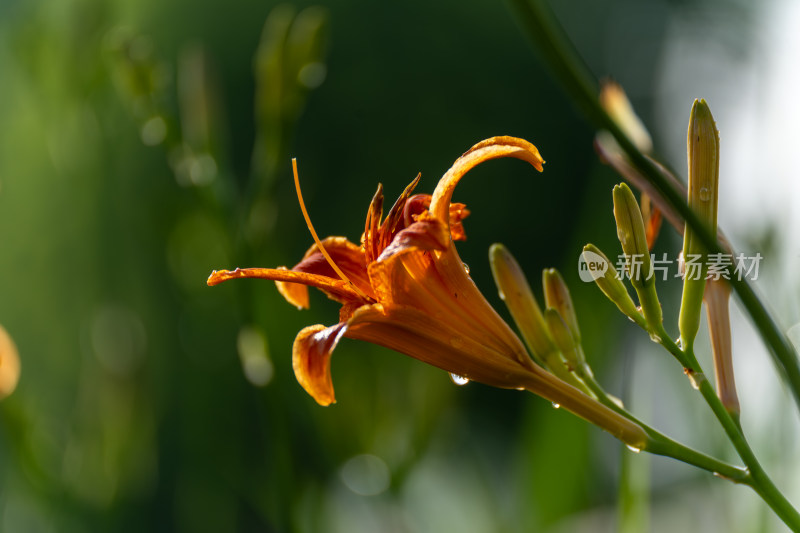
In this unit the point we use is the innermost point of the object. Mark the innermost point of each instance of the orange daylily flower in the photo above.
(405, 287)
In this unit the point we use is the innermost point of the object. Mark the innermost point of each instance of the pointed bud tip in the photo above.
(496, 249)
(700, 108)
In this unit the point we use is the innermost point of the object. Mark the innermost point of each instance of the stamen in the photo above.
(314, 234)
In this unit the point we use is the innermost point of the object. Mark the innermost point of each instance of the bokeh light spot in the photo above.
(366, 475)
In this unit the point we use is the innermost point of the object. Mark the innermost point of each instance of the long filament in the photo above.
(321, 248)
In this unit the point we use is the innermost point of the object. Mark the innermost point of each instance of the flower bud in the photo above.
(632, 237)
(565, 341)
(616, 103)
(518, 296)
(556, 296)
(703, 157)
(611, 284)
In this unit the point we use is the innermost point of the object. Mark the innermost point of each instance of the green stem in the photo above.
(757, 477)
(759, 480)
(660, 444)
(753, 476)
(560, 55)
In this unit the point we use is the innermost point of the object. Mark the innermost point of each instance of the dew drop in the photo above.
(556, 405)
(457, 342)
(722, 476)
(502, 295)
(466, 268)
(634, 449)
(705, 194)
(458, 380)
(617, 401)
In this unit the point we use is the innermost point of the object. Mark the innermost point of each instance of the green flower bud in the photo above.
(518, 296)
(565, 341)
(556, 296)
(703, 157)
(632, 237)
(611, 284)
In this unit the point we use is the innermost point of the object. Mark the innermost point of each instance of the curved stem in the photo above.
(660, 444)
(559, 53)
(759, 480)
(754, 475)
(757, 477)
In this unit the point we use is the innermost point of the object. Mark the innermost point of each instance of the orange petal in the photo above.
(419, 203)
(371, 237)
(336, 288)
(425, 234)
(437, 283)
(311, 360)
(294, 293)
(348, 257)
(395, 216)
(458, 212)
(492, 148)
(652, 217)
(416, 333)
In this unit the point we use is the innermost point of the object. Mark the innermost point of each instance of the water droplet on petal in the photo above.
(457, 342)
(458, 380)
(634, 449)
(705, 194)
(556, 405)
(466, 268)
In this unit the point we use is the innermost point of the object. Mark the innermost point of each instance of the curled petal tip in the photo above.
(217, 277)
(492, 148)
(311, 355)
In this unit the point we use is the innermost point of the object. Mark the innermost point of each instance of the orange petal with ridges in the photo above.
(337, 288)
(311, 360)
(415, 333)
(493, 148)
(437, 283)
(348, 257)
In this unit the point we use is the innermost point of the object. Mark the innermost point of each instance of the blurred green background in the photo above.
(145, 143)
